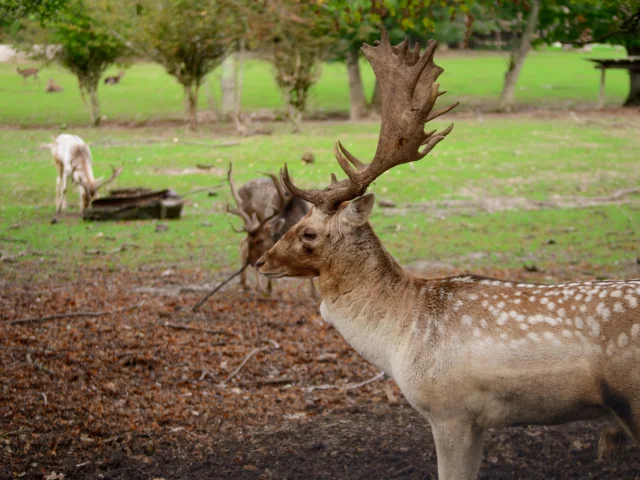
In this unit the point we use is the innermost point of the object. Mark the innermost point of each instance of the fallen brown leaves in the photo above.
(76, 391)
(160, 375)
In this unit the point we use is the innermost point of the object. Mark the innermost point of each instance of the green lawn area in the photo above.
(550, 78)
(523, 158)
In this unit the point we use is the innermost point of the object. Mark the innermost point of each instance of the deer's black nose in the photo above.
(259, 263)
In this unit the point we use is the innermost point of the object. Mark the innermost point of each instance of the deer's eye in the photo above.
(309, 235)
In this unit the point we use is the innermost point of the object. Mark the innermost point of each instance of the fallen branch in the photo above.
(206, 297)
(40, 367)
(9, 258)
(346, 388)
(249, 356)
(243, 363)
(121, 248)
(14, 240)
(201, 189)
(269, 381)
(204, 330)
(72, 315)
(353, 386)
(618, 194)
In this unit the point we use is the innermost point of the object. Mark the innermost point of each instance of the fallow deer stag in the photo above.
(267, 211)
(53, 87)
(114, 80)
(28, 72)
(72, 157)
(469, 353)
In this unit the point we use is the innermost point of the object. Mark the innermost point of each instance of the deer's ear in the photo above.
(358, 211)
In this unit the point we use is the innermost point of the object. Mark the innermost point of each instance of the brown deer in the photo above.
(72, 157)
(469, 353)
(53, 87)
(115, 79)
(267, 210)
(28, 72)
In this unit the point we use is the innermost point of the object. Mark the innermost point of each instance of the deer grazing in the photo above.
(53, 87)
(115, 79)
(267, 210)
(28, 72)
(469, 353)
(73, 161)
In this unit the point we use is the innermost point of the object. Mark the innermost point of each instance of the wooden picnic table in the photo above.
(602, 64)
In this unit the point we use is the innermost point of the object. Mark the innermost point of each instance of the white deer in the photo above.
(469, 353)
(72, 157)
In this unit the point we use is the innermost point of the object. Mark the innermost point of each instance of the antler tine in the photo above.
(115, 173)
(282, 194)
(356, 163)
(234, 228)
(232, 186)
(311, 196)
(234, 193)
(249, 223)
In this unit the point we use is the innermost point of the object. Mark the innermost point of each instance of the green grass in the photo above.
(549, 78)
(523, 158)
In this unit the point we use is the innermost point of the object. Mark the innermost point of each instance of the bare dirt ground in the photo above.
(248, 387)
(611, 117)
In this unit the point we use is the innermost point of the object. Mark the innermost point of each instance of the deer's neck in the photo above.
(367, 295)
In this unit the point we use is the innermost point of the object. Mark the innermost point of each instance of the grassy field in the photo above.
(442, 214)
(550, 79)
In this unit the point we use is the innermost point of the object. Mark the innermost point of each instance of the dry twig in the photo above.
(204, 330)
(38, 366)
(206, 297)
(72, 315)
(347, 387)
(249, 356)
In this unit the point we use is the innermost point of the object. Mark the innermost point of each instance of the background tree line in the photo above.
(192, 38)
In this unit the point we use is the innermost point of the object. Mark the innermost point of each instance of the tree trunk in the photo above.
(376, 101)
(633, 100)
(228, 87)
(238, 66)
(357, 100)
(192, 101)
(95, 105)
(295, 116)
(507, 99)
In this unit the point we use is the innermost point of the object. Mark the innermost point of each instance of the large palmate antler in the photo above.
(408, 92)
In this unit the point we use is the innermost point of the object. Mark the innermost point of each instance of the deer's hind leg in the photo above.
(620, 393)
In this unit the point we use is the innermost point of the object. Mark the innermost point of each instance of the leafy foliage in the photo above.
(41, 10)
(299, 37)
(189, 38)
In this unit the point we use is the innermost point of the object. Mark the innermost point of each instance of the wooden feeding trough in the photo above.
(135, 204)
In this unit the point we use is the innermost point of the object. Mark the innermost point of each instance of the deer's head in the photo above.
(260, 235)
(331, 231)
(91, 187)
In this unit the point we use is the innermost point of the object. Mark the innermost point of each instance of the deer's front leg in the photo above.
(61, 191)
(459, 449)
